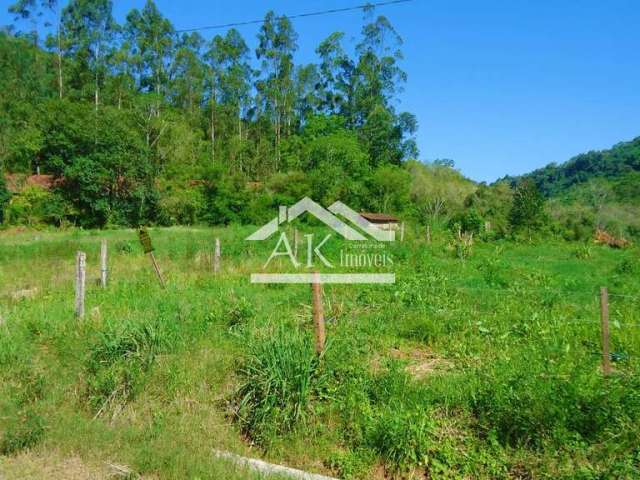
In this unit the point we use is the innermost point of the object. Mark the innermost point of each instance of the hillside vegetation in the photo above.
(598, 189)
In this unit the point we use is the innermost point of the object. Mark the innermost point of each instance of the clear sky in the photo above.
(501, 87)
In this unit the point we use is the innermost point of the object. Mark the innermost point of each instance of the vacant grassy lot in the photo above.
(482, 367)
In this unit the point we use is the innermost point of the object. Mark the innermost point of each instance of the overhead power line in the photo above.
(299, 15)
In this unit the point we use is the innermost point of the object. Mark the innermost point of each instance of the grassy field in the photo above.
(485, 366)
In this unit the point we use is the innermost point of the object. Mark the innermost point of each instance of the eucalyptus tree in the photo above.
(378, 80)
(89, 28)
(276, 46)
(307, 93)
(337, 72)
(152, 40)
(121, 82)
(188, 73)
(229, 79)
(379, 77)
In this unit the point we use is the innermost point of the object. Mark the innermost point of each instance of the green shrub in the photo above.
(468, 221)
(402, 436)
(238, 311)
(493, 273)
(626, 267)
(124, 246)
(34, 206)
(583, 252)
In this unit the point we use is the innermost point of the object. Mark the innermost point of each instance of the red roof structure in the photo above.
(16, 182)
(379, 217)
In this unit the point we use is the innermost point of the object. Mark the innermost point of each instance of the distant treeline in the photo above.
(621, 164)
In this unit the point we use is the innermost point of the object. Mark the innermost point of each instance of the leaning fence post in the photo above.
(145, 240)
(318, 315)
(216, 257)
(81, 261)
(604, 319)
(103, 263)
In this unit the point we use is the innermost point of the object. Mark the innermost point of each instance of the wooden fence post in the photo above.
(216, 257)
(318, 314)
(157, 269)
(604, 318)
(103, 263)
(81, 262)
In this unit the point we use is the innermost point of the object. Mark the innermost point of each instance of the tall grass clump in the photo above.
(279, 379)
(118, 361)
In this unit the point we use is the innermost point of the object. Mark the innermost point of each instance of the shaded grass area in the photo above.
(506, 344)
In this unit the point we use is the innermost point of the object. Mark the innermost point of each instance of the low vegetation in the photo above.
(483, 366)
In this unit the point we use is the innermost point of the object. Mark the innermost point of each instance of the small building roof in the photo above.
(379, 217)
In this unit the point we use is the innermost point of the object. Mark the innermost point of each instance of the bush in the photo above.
(522, 405)
(180, 207)
(238, 311)
(35, 206)
(469, 222)
(5, 196)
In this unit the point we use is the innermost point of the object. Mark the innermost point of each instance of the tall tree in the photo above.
(276, 46)
(229, 77)
(151, 37)
(336, 76)
(527, 210)
(89, 27)
(188, 72)
(379, 77)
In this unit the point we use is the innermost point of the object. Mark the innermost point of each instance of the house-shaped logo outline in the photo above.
(328, 217)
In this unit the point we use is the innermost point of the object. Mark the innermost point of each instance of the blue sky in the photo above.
(501, 87)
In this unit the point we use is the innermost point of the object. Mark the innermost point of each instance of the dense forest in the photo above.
(140, 123)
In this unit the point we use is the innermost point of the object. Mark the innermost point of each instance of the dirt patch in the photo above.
(24, 294)
(420, 362)
(54, 466)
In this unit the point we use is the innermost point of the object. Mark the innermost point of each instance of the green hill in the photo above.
(594, 189)
(620, 164)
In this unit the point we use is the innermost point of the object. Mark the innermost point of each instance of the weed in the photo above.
(118, 361)
(238, 311)
(402, 436)
(24, 431)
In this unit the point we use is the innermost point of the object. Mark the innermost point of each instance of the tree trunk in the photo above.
(213, 124)
(97, 95)
(59, 56)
